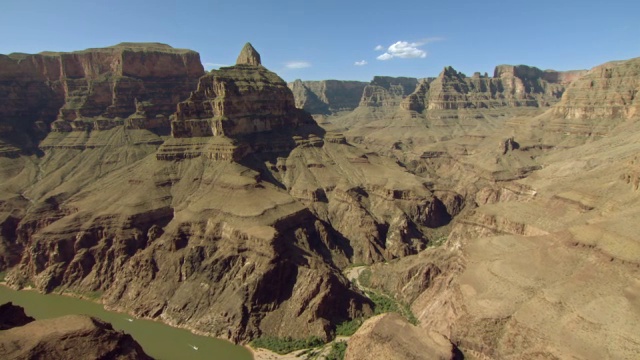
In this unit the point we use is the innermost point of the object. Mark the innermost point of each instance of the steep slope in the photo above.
(327, 96)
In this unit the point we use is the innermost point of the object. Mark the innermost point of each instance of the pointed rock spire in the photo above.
(248, 56)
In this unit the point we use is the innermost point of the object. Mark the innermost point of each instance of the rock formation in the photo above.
(327, 96)
(12, 316)
(132, 84)
(540, 264)
(378, 338)
(511, 86)
(387, 91)
(608, 91)
(230, 104)
(69, 337)
(248, 56)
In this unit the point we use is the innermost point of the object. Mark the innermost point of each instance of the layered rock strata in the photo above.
(327, 96)
(234, 103)
(511, 86)
(135, 84)
(385, 91)
(608, 91)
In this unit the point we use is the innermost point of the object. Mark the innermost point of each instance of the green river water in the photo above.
(158, 340)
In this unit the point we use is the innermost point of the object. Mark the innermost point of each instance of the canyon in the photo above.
(499, 210)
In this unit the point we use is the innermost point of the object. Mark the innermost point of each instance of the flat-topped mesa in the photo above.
(238, 100)
(141, 79)
(511, 86)
(248, 56)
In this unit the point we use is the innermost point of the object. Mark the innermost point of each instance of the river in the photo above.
(157, 339)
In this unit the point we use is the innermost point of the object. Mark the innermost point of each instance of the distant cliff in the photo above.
(327, 96)
(608, 91)
(510, 86)
(143, 81)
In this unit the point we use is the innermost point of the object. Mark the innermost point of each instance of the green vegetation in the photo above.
(337, 351)
(384, 303)
(365, 278)
(349, 327)
(286, 345)
(2, 275)
(437, 241)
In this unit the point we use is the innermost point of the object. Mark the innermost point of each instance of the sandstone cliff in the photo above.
(387, 91)
(232, 104)
(132, 84)
(511, 86)
(327, 96)
(608, 91)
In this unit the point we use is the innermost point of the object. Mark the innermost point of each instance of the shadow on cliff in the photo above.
(268, 147)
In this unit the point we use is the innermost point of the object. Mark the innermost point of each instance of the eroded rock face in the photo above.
(77, 88)
(327, 96)
(248, 56)
(511, 86)
(608, 91)
(69, 337)
(238, 100)
(387, 91)
(232, 104)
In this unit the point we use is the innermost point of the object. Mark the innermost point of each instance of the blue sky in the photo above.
(315, 40)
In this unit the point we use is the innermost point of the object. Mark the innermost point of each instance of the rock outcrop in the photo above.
(132, 84)
(327, 96)
(248, 56)
(13, 316)
(69, 337)
(385, 91)
(540, 264)
(390, 336)
(511, 86)
(231, 104)
(608, 91)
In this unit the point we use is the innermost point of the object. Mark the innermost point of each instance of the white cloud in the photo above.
(385, 56)
(297, 65)
(360, 63)
(406, 50)
(379, 48)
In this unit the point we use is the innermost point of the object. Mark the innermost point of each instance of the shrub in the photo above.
(286, 345)
(337, 351)
(349, 327)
